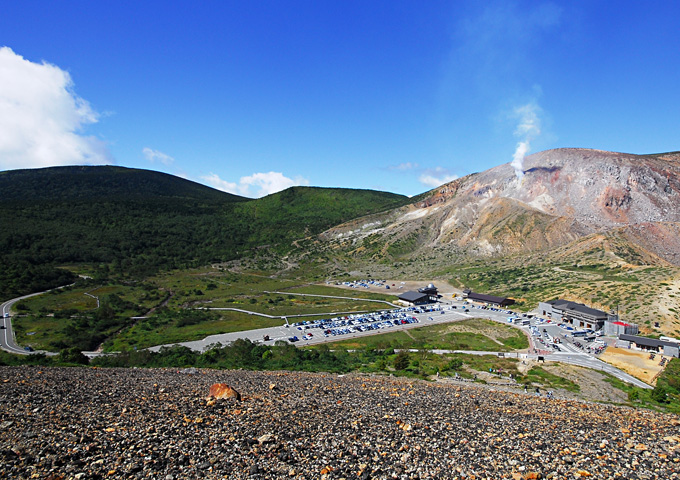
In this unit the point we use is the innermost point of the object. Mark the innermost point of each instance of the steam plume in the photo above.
(529, 127)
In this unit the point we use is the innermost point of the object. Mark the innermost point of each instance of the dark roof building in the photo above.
(574, 313)
(414, 298)
(431, 291)
(490, 299)
(665, 347)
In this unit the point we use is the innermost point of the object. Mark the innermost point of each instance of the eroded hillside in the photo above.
(593, 226)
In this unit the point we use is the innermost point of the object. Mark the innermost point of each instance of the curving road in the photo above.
(7, 341)
(570, 354)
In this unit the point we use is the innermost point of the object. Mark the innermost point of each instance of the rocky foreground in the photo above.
(96, 423)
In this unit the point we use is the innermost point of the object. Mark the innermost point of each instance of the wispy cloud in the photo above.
(256, 185)
(435, 177)
(156, 156)
(42, 118)
(496, 42)
(430, 177)
(403, 167)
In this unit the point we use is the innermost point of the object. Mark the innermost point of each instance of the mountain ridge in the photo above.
(82, 182)
(559, 196)
(137, 222)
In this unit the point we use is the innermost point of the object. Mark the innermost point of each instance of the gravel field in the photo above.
(88, 423)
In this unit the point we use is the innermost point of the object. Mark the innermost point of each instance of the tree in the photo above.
(660, 394)
(73, 355)
(402, 360)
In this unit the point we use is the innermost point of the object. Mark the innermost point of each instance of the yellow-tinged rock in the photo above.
(584, 473)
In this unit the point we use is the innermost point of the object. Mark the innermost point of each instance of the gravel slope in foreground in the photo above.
(138, 423)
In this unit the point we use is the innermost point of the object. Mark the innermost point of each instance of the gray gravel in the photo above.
(137, 423)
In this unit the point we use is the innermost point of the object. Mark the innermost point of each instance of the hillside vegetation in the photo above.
(133, 223)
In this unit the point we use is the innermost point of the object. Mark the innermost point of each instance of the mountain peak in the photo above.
(561, 195)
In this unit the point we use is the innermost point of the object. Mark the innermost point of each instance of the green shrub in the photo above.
(401, 361)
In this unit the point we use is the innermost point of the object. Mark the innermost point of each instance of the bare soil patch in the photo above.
(397, 287)
(668, 304)
(633, 362)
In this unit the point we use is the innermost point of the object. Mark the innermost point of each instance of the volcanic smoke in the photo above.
(529, 128)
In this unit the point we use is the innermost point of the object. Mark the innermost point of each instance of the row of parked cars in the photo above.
(355, 323)
(363, 283)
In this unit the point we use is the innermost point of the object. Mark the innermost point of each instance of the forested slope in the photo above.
(136, 222)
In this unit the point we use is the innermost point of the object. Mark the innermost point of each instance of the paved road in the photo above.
(451, 312)
(570, 354)
(588, 361)
(7, 341)
(285, 331)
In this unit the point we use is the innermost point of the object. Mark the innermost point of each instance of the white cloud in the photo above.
(41, 117)
(256, 185)
(155, 156)
(436, 177)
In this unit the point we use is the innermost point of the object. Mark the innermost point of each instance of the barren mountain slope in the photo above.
(561, 196)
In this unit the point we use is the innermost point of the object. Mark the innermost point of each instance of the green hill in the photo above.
(105, 182)
(137, 222)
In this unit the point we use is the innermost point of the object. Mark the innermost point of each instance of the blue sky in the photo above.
(402, 96)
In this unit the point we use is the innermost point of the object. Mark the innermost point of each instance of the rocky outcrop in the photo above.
(563, 195)
(119, 424)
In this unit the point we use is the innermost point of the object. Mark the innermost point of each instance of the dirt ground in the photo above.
(397, 287)
(667, 303)
(634, 362)
(592, 384)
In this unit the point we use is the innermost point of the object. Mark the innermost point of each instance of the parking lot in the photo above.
(555, 339)
(560, 337)
(339, 328)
